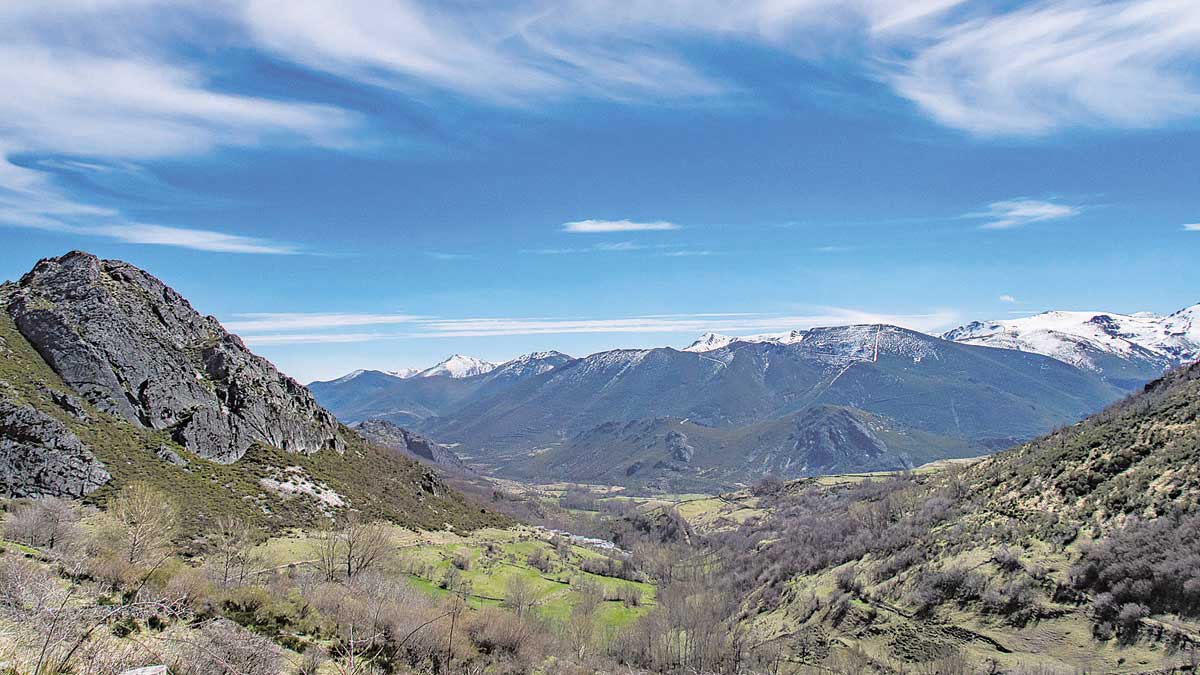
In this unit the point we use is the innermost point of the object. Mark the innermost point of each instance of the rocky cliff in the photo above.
(415, 446)
(135, 348)
(40, 455)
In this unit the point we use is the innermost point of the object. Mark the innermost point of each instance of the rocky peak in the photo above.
(135, 348)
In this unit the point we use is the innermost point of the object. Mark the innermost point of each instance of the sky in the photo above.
(382, 183)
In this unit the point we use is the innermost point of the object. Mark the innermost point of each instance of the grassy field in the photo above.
(490, 559)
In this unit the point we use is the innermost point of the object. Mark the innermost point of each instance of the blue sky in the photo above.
(380, 184)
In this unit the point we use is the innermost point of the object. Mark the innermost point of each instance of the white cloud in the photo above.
(512, 53)
(599, 226)
(1192, 227)
(285, 321)
(108, 89)
(311, 338)
(1013, 213)
(687, 253)
(276, 326)
(1008, 299)
(619, 246)
(1053, 64)
(199, 240)
(1019, 69)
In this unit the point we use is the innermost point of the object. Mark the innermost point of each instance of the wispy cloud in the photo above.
(1048, 65)
(1008, 299)
(287, 321)
(993, 69)
(600, 226)
(1014, 213)
(436, 327)
(312, 338)
(442, 255)
(688, 253)
(619, 246)
(605, 247)
(115, 91)
(1191, 227)
(833, 249)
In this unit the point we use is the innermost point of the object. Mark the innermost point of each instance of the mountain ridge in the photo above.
(108, 377)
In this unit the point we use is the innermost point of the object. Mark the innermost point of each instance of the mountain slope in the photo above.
(268, 453)
(373, 394)
(987, 397)
(675, 455)
(1083, 539)
(1127, 350)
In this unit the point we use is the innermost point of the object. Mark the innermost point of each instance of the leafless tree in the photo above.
(230, 545)
(142, 522)
(352, 547)
(519, 595)
(46, 523)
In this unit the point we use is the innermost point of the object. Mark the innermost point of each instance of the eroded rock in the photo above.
(133, 347)
(41, 457)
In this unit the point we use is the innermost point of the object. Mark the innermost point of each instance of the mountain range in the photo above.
(810, 402)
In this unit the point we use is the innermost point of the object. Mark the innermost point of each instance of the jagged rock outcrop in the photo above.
(133, 347)
(388, 435)
(41, 457)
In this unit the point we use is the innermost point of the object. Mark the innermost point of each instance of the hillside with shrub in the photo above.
(1077, 550)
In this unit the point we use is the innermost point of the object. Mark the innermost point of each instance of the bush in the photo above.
(540, 561)
(1006, 560)
(46, 523)
(847, 581)
(494, 631)
(1152, 564)
(1015, 600)
(954, 583)
(1130, 617)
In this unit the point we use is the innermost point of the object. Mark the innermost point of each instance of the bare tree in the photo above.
(519, 595)
(143, 521)
(367, 545)
(581, 627)
(46, 523)
(230, 546)
(351, 548)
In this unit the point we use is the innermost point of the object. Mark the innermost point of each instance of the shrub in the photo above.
(540, 561)
(46, 523)
(1015, 600)
(1006, 560)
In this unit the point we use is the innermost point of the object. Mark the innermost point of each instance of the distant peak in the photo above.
(710, 341)
(459, 366)
(349, 376)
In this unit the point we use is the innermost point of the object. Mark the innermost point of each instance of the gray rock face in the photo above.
(41, 457)
(388, 435)
(135, 348)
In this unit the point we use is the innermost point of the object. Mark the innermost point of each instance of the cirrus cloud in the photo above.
(600, 226)
(1013, 213)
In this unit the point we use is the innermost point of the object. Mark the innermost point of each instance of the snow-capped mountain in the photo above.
(531, 364)
(459, 366)
(710, 341)
(713, 341)
(1125, 348)
(404, 373)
